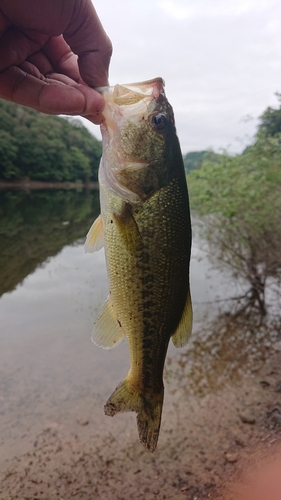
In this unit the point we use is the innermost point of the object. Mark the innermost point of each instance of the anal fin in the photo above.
(107, 331)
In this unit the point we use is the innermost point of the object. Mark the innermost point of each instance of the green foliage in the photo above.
(271, 120)
(45, 148)
(8, 155)
(239, 198)
(193, 160)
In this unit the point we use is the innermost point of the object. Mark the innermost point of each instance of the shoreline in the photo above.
(208, 447)
(28, 185)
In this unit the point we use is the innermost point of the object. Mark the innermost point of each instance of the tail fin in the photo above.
(148, 408)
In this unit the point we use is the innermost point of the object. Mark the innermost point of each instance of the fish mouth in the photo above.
(128, 101)
(127, 108)
(131, 93)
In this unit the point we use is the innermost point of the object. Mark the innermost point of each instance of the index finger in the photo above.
(87, 38)
(50, 95)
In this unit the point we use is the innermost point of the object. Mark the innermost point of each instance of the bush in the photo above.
(239, 199)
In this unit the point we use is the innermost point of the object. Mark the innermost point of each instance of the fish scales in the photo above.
(138, 281)
(146, 230)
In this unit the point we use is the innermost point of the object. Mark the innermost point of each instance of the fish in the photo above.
(145, 229)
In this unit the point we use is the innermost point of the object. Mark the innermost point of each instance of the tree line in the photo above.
(45, 148)
(238, 197)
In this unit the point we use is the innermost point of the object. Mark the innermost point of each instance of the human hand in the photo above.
(51, 53)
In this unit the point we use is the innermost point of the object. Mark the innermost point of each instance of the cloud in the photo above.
(180, 9)
(221, 60)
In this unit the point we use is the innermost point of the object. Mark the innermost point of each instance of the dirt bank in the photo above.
(28, 185)
(205, 442)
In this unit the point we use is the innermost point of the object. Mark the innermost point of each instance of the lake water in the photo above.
(51, 293)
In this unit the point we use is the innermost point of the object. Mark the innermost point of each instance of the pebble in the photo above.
(247, 419)
(278, 386)
(231, 457)
(264, 383)
(239, 441)
(81, 421)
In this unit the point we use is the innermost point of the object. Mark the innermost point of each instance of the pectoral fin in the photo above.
(182, 333)
(107, 331)
(95, 237)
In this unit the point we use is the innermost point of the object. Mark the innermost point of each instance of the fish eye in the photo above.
(158, 121)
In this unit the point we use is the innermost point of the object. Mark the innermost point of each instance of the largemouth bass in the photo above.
(145, 228)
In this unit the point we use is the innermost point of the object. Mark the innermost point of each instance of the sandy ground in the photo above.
(207, 441)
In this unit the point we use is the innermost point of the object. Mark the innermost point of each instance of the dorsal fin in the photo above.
(183, 331)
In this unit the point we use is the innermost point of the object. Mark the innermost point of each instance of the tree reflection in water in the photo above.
(36, 225)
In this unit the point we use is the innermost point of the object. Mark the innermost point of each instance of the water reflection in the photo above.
(225, 349)
(37, 225)
(49, 371)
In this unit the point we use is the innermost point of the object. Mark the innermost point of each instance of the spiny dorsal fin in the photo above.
(107, 331)
(95, 237)
(183, 331)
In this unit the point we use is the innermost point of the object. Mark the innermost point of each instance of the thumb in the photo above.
(93, 69)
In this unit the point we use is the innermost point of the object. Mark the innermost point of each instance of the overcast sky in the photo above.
(220, 59)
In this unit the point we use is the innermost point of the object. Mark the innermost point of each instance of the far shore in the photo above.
(27, 185)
